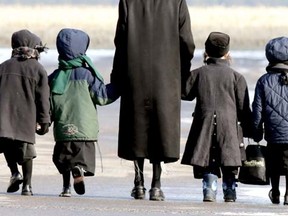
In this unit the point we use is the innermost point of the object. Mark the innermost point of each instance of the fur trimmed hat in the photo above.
(217, 44)
(277, 50)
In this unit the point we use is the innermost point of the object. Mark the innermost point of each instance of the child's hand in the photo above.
(42, 128)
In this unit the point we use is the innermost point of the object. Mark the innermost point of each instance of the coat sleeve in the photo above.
(189, 89)
(101, 93)
(120, 41)
(42, 98)
(244, 113)
(187, 45)
(257, 107)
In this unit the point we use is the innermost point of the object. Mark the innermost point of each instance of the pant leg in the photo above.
(139, 172)
(9, 155)
(27, 168)
(229, 174)
(66, 155)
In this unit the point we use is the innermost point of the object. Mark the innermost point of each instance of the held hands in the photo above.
(42, 128)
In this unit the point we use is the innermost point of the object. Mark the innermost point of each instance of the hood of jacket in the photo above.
(72, 43)
(25, 38)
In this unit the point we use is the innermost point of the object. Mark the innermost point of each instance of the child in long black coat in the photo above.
(24, 107)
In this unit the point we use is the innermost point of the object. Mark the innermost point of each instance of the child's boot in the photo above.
(229, 191)
(209, 187)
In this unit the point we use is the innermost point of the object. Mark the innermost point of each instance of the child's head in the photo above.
(72, 43)
(277, 50)
(217, 44)
(25, 38)
(26, 44)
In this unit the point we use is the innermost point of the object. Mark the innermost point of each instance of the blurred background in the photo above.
(250, 24)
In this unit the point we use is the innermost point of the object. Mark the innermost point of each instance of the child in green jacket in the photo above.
(76, 89)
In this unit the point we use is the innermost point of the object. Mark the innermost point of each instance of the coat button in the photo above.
(241, 145)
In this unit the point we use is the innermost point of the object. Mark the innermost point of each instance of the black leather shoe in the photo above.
(78, 175)
(274, 196)
(156, 194)
(66, 192)
(15, 180)
(138, 192)
(27, 190)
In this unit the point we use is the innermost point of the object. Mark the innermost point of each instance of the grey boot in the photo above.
(229, 191)
(209, 187)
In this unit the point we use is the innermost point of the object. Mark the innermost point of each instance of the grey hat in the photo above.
(217, 44)
(277, 50)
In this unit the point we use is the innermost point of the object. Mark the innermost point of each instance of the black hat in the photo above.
(217, 44)
(277, 50)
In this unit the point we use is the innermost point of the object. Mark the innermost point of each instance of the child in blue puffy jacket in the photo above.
(270, 111)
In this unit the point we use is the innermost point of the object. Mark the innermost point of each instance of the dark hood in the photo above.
(25, 38)
(276, 50)
(71, 43)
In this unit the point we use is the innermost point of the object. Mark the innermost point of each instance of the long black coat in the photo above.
(154, 45)
(223, 92)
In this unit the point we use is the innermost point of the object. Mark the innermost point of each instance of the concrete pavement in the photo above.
(108, 192)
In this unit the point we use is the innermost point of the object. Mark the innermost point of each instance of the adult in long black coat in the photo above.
(154, 47)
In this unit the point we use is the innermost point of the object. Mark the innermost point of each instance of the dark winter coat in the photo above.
(24, 96)
(221, 92)
(270, 106)
(154, 45)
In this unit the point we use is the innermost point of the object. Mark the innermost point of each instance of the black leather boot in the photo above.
(156, 194)
(66, 192)
(138, 192)
(27, 190)
(15, 180)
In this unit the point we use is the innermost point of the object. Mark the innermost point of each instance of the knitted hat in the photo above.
(217, 44)
(25, 38)
(277, 50)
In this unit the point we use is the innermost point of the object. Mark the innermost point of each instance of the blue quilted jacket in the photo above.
(270, 106)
